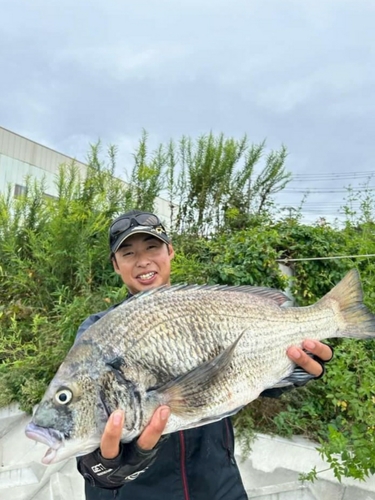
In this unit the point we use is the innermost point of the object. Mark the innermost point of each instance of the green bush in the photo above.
(55, 271)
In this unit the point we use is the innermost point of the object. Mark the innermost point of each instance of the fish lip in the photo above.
(49, 457)
(59, 447)
(51, 437)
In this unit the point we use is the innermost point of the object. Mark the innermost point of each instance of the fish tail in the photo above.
(356, 320)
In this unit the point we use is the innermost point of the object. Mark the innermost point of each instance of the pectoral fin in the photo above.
(188, 392)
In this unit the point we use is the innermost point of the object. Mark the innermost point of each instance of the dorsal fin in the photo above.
(268, 293)
(281, 298)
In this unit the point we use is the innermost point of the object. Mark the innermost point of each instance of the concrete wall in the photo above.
(269, 473)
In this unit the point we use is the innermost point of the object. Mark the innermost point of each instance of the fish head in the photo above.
(71, 417)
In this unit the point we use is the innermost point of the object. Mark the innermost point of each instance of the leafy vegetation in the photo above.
(55, 271)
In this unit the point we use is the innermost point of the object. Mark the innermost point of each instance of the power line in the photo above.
(326, 194)
(286, 260)
(325, 179)
(326, 190)
(322, 213)
(323, 210)
(335, 175)
(332, 204)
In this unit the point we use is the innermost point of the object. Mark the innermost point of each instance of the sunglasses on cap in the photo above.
(124, 223)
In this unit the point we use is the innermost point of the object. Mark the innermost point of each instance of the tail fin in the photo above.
(358, 321)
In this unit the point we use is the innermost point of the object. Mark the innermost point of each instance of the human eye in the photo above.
(153, 246)
(128, 253)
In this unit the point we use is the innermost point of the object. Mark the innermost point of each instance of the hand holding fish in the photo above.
(310, 365)
(310, 359)
(117, 463)
(110, 442)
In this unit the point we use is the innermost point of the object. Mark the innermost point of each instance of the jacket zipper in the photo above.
(229, 450)
(183, 466)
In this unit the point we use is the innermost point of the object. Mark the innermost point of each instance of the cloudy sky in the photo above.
(293, 72)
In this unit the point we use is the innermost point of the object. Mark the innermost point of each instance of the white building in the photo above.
(20, 157)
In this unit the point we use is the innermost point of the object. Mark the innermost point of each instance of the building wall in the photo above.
(20, 157)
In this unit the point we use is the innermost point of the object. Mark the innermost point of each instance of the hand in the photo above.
(110, 442)
(318, 349)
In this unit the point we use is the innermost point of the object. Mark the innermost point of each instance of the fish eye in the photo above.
(63, 396)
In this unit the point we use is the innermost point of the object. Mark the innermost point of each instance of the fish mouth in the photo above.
(61, 448)
(51, 437)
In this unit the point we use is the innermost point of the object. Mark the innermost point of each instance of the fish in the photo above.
(206, 351)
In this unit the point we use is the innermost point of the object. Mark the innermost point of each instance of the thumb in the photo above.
(110, 442)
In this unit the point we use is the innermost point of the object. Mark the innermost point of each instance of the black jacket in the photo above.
(197, 464)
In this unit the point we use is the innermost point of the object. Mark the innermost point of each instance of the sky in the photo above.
(294, 72)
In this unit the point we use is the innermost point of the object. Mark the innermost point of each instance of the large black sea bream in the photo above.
(206, 351)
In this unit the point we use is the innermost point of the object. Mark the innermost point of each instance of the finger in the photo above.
(304, 361)
(152, 433)
(322, 351)
(110, 442)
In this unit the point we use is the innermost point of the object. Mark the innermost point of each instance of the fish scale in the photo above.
(205, 351)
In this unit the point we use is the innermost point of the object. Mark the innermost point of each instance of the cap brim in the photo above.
(156, 232)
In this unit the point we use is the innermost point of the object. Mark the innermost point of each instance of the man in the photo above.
(196, 464)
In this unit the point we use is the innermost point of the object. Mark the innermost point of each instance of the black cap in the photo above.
(134, 222)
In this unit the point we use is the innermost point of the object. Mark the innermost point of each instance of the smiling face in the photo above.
(143, 262)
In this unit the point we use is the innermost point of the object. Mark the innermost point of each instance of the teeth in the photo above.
(146, 276)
